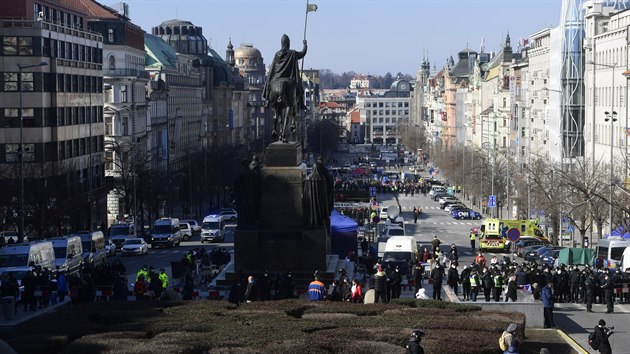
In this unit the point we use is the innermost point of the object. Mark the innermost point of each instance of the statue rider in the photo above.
(285, 66)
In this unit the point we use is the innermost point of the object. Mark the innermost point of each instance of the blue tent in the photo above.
(344, 234)
(623, 231)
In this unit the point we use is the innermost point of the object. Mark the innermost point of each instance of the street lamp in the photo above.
(21, 152)
(612, 117)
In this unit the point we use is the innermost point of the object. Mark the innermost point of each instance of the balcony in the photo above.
(141, 74)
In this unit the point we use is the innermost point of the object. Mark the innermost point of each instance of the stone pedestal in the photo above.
(280, 250)
(283, 155)
(280, 243)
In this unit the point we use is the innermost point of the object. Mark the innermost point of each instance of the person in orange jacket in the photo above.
(140, 288)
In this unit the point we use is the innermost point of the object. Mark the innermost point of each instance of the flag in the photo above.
(311, 8)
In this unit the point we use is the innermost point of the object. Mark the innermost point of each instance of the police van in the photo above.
(166, 233)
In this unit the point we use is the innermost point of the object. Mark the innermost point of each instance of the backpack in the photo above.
(592, 341)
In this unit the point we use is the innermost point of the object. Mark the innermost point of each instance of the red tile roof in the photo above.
(355, 117)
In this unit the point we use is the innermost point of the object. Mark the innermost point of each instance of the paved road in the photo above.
(162, 257)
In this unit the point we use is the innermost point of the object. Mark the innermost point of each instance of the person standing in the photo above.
(251, 291)
(600, 336)
(547, 300)
(357, 292)
(511, 289)
(415, 215)
(473, 237)
(437, 275)
(464, 279)
(497, 280)
(396, 283)
(436, 246)
(452, 278)
(379, 281)
(418, 274)
(609, 292)
(486, 283)
(589, 289)
(474, 285)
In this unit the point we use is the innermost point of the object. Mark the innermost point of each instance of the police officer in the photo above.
(413, 346)
(497, 279)
(589, 289)
(473, 236)
(163, 278)
(609, 294)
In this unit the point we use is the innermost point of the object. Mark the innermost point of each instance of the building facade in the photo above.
(52, 73)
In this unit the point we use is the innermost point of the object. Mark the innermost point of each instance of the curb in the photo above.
(578, 348)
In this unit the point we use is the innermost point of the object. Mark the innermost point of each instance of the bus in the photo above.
(610, 250)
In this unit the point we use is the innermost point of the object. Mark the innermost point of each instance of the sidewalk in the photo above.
(25, 316)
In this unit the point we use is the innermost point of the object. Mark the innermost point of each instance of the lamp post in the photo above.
(612, 117)
(21, 152)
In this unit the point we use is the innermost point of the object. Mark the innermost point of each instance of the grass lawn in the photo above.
(288, 326)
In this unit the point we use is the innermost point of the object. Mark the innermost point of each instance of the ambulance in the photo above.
(494, 233)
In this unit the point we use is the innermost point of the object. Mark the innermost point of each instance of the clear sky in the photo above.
(365, 36)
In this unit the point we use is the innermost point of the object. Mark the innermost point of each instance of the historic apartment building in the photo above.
(52, 67)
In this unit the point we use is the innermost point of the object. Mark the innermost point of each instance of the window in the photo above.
(112, 62)
(18, 45)
(12, 152)
(11, 81)
(110, 35)
(123, 93)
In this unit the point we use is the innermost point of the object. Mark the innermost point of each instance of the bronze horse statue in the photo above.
(283, 102)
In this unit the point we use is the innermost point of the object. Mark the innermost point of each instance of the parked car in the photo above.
(194, 225)
(187, 232)
(229, 214)
(449, 202)
(439, 195)
(110, 248)
(549, 258)
(135, 246)
(454, 206)
(530, 251)
(465, 214)
(447, 198)
(525, 241)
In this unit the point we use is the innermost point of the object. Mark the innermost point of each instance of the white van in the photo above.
(93, 243)
(212, 228)
(166, 232)
(68, 252)
(401, 251)
(625, 260)
(119, 233)
(38, 253)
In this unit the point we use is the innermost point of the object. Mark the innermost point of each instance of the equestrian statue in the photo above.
(283, 89)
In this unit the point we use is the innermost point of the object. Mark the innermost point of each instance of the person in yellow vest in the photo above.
(473, 237)
(142, 272)
(163, 278)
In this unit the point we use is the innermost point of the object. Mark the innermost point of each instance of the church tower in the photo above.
(229, 54)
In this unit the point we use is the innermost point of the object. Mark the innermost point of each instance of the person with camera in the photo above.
(413, 346)
(600, 337)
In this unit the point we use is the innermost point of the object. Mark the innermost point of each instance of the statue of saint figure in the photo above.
(247, 194)
(318, 199)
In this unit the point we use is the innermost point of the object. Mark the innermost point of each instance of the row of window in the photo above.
(387, 120)
(50, 82)
(388, 112)
(50, 117)
(48, 47)
(53, 151)
(386, 104)
(53, 15)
